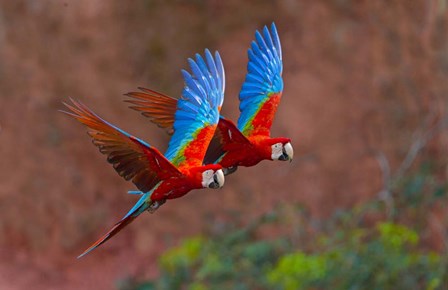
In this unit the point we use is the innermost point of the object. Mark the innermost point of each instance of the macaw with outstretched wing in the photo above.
(249, 142)
(160, 177)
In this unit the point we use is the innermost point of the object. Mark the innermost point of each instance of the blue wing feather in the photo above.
(203, 93)
(200, 78)
(192, 90)
(213, 71)
(210, 83)
(251, 78)
(259, 62)
(264, 75)
(267, 37)
(278, 48)
(220, 77)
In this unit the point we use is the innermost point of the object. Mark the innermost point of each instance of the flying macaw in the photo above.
(249, 142)
(160, 177)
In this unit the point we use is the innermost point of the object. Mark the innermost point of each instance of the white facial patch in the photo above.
(277, 151)
(207, 178)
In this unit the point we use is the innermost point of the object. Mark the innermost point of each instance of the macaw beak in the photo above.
(288, 153)
(218, 180)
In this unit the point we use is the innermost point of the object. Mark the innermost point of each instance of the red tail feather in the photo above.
(112, 232)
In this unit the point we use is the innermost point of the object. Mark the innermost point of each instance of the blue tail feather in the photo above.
(137, 192)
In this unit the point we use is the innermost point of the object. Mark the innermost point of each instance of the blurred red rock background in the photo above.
(360, 78)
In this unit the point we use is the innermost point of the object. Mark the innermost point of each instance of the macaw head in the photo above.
(281, 149)
(210, 176)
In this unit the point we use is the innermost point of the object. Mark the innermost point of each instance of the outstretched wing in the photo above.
(131, 157)
(159, 108)
(262, 88)
(198, 110)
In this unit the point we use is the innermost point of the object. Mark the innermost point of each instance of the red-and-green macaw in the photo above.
(160, 177)
(249, 142)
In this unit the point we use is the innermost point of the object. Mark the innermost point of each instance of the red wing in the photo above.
(226, 133)
(159, 108)
(262, 120)
(131, 157)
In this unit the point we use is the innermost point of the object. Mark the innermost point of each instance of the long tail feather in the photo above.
(135, 211)
(112, 232)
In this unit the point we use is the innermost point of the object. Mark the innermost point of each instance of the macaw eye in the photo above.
(208, 173)
(277, 145)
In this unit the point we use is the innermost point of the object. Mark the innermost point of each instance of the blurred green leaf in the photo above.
(184, 255)
(397, 235)
(295, 270)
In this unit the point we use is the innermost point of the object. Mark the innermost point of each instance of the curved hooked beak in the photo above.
(288, 153)
(218, 180)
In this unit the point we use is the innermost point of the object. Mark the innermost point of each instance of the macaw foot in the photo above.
(229, 170)
(155, 205)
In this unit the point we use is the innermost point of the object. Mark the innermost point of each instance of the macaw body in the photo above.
(177, 186)
(161, 177)
(249, 142)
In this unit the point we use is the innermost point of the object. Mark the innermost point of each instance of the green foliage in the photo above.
(361, 248)
(294, 271)
(183, 256)
(388, 259)
(233, 261)
(396, 236)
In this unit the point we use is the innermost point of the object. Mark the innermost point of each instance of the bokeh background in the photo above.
(365, 103)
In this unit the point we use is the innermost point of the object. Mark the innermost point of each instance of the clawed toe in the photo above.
(155, 205)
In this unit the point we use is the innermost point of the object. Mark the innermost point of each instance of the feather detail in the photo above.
(132, 158)
(159, 108)
(197, 111)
